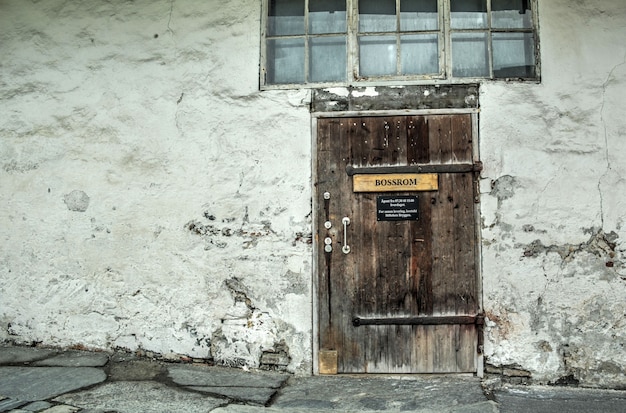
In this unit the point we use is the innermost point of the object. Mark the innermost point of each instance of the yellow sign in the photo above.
(328, 361)
(395, 182)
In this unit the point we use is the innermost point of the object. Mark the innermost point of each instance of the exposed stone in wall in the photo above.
(276, 358)
(507, 374)
(247, 336)
(599, 244)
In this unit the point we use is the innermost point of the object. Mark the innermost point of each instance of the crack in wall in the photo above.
(180, 99)
(169, 20)
(607, 157)
(177, 113)
(540, 197)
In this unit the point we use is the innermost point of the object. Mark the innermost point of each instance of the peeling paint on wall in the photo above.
(171, 198)
(554, 281)
(123, 120)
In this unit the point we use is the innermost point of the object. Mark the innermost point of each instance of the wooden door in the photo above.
(397, 294)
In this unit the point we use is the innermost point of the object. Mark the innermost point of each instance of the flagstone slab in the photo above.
(8, 404)
(254, 395)
(75, 359)
(37, 406)
(136, 370)
(23, 355)
(210, 376)
(42, 383)
(382, 393)
(147, 397)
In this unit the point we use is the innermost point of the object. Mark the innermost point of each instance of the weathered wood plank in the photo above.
(466, 344)
(351, 355)
(444, 357)
(464, 241)
(326, 128)
(421, 255)
(446, 144)
(418, 148)
(426, 339)
(443, 248)
(436, 134)
(461, 138)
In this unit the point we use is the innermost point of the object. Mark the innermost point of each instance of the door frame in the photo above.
(316, 241)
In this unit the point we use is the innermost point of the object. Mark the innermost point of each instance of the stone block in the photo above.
(42, 383)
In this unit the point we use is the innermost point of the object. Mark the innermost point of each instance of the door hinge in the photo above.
(478, 167)
(480, 331)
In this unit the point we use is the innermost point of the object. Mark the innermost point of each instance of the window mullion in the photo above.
(353, 41)
(489, 40)
(445, 49)
(398, 42)
(535, 31)
(306, 42)
(264, 18)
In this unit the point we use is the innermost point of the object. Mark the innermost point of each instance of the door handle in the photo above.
(346, 248)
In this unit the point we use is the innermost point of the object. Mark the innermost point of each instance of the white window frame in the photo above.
(353, 77)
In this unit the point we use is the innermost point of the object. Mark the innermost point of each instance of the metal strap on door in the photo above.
(420, 169)
(478, 319)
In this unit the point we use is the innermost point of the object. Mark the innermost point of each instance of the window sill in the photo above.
(392, 83)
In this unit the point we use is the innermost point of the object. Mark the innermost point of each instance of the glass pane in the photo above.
(419, 54)
(513, 55)
(377, 55)
(377, 15)
(285, 17)
(418, 15)
(285, 61)
(327, 59)
(327, 16)
(468, 14)
(470, 55)
(511, 14)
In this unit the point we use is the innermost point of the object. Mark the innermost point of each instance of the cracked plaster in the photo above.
(130, 100)
(196, 178)
(553, 213)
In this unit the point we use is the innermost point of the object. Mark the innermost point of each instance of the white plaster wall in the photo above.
(152, 197)
(554, 201)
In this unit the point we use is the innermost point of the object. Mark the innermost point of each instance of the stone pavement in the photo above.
(54, 381)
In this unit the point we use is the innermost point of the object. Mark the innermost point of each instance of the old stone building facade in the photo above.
(160, 178)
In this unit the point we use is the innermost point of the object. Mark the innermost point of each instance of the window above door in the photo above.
(343, 42)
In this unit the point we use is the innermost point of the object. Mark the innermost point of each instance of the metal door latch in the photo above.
(346, 248)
